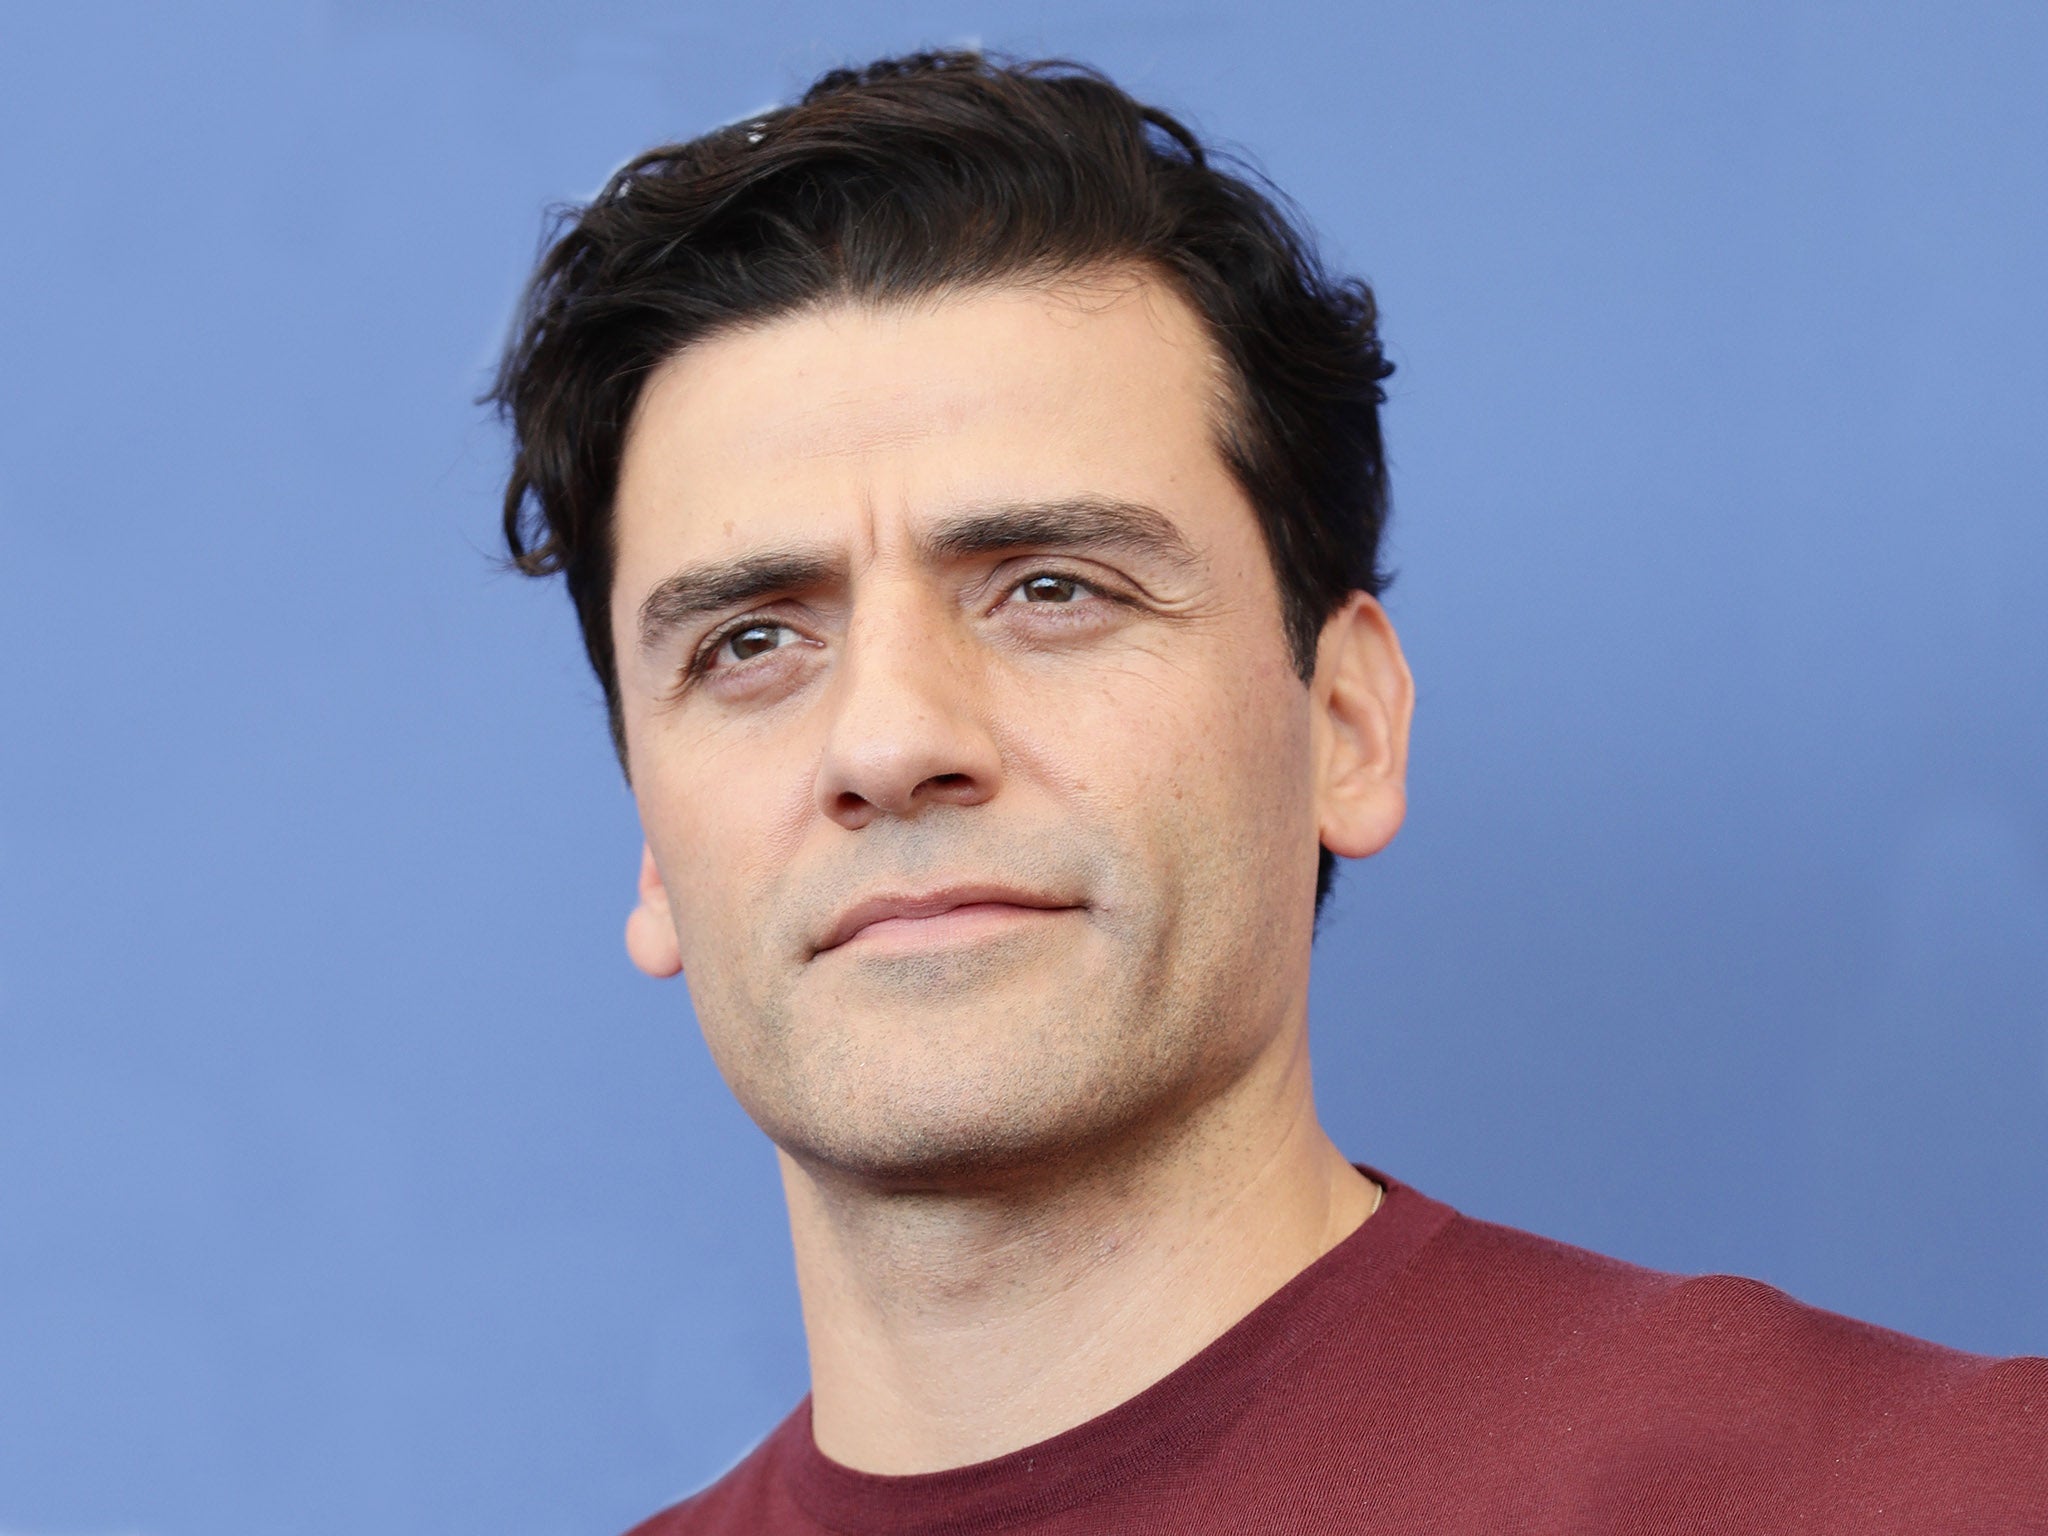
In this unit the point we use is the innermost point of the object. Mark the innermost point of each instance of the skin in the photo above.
(1041, 1147)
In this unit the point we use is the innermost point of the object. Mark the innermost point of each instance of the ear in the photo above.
(1361, 700)
(650, 928)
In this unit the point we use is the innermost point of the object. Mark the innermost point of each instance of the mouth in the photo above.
(905, 922)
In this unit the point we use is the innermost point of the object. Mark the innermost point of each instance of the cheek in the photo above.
(724, 828)
(1239, 793)
(1198, 750)
(1270, 745)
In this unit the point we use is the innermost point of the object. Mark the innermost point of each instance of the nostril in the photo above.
(949, 788)
(851, 808)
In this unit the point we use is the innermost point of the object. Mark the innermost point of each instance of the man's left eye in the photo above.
(1048, 588)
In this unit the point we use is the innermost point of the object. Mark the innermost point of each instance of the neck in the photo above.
(950, 1326)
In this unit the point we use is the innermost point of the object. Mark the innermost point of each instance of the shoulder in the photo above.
(1556, 1286)
(1715, 1380)
(1700, 1323)
(1735, 1339)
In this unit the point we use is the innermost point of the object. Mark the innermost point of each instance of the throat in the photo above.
(945, 1330)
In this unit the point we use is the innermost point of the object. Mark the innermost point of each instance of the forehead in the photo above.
(843, 418)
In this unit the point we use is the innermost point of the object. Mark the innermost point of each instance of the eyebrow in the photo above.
(705, 589)
(1082, 522)
(1085, 522)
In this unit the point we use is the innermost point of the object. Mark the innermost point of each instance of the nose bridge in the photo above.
(899, 656)
(906, 726)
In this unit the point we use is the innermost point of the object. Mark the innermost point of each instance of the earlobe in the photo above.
(650, 927)
(1364, 700)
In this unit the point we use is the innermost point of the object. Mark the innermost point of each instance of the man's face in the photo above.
(973, 766)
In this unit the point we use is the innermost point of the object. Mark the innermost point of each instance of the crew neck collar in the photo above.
(1169, 1420)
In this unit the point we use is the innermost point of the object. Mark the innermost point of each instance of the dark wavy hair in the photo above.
(915, 176)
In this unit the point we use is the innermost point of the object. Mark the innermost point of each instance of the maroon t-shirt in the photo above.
(1437, 1374)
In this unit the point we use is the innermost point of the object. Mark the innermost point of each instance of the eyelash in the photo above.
(700, 664)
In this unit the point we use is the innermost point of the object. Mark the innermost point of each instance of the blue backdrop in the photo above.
(349, 1180)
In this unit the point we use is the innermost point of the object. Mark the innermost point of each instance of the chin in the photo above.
(977, 1065)
(951, 1116)
(937, 1132)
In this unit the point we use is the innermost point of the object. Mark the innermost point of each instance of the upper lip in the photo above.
(875, 909)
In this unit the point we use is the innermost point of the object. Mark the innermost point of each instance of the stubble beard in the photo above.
(1070, 1044)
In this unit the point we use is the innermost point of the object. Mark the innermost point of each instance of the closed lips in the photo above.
(878, 909)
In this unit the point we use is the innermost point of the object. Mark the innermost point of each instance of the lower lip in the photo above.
(956, 925)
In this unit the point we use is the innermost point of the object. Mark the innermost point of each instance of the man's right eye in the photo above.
(749, 641)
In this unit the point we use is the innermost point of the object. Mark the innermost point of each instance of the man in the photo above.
(971, 498)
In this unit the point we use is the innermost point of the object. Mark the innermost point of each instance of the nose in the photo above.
(909, 728)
